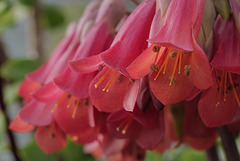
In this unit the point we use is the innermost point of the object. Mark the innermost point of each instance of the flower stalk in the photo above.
(212, 154)
(229, 144)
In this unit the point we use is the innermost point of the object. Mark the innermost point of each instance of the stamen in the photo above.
(234, 90)
(85, 102)
(75, 108)
(174, 69)
(100, 67)
(124, 131)
(156, 49)
(161, 50)
(119, 78)
(173, 54)
(110, 82)
(123, 123)
(225, 86)
(186, 52)
(126, 123)
(180, 62)
(163, 65)
(70, 101)
(153, 67)
(220, 89)
(59, 101)
(102, 78)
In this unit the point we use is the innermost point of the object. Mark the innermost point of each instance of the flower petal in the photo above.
(141, 66)
(50, 139)
(131, 38)
(27, 87)
(212, 115)
(112, 100)
(37, 113)
(150, 138)
(227, 40)
(18, 125)
(176, 92)
(200, 73)
(57, 62)
(68, 118)
(130, 97)
(47, 93)
(86, 65)
(84, 136)
(74, 83)
(175, 31)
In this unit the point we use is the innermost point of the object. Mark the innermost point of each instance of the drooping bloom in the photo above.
(180, 67)
(38, 111)
(147, 127)
(67, 47)
(217, 105)
(96, 41)
(112, 82)
(184, 126)
(74, 105)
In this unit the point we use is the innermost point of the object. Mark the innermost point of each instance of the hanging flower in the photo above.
(217, 105)
(180, 67)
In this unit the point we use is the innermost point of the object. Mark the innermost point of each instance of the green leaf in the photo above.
(33, 153)
(28, 3)
(151, 156)
(190, 154)
(15, 69)
(4, 7)
(6, 15)
(73, 152)
(182, 153)
(10, 92)
(53, 17)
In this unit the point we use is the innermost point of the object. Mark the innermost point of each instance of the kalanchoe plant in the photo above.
(121, 83)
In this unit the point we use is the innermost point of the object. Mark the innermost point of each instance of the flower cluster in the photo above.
(120, 83)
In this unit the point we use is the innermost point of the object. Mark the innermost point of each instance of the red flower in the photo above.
(184, 125)
(66, 49)
(112, 83)
(217, 105)
(146, 127)
(180, 67)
